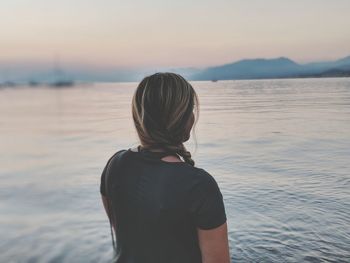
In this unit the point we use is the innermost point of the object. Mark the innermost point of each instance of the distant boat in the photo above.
(60, 81)
(214, 80)
(33, 83)
(8, 84)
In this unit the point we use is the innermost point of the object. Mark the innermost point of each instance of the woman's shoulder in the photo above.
(197, 174)
(115, 159)
(117, 154)
(203, 176)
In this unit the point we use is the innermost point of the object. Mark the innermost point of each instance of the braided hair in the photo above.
(163, 109)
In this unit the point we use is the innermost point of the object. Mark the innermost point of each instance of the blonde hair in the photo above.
(162, 108)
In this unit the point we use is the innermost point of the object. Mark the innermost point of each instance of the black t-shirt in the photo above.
(158, 206)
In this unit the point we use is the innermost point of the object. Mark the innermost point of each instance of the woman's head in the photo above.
(164, 109)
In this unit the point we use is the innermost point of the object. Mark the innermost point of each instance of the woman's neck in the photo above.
(140, 147)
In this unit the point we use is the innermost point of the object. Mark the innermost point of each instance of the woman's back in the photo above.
(159, 205)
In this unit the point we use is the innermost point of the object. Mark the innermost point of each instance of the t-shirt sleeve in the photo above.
(104, 174)
(207, 205)
(103, 181)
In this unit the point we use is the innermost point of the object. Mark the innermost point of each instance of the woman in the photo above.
(161, 207)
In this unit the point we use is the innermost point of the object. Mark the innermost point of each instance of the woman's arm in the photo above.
(214, 244)
(105, 204)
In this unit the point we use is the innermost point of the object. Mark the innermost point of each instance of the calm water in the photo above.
(279, 149)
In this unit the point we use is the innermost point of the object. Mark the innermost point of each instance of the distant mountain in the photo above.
(261, 68)
(343, 62)
(272, 68)
(249, 68)
(331, 73)
(317, 67)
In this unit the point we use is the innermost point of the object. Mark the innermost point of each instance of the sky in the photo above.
(132, 34)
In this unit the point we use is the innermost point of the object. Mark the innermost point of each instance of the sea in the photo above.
(278, 149)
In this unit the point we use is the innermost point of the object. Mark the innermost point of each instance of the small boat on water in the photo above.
(62, 83)
(8, 84)
(33, 83)
(60, 78)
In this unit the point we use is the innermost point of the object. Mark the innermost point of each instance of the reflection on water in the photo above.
(279, 150)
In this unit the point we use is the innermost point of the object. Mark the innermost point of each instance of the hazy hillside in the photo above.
(272, 68)
(281, 67)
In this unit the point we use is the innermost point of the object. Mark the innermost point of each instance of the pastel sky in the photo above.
(180, 33)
